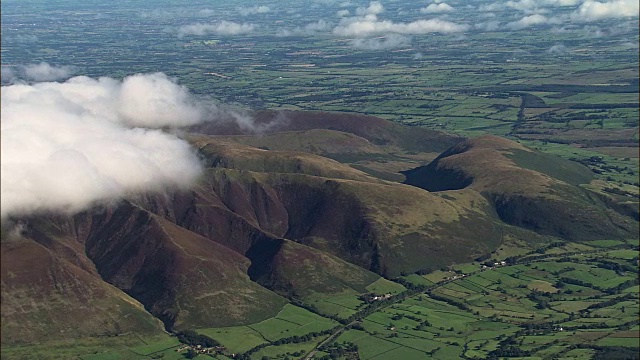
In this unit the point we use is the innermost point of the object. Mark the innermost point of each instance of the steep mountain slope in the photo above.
(382, 226)
(51, 290)
(184, 279)
(387, 228)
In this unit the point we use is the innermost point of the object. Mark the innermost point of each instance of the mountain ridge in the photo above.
(265, 227)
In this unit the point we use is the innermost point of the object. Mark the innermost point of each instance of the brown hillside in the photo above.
(384, 227)
(387, 228)
(184, 279)
(315, 141)
(51, 291)
(376, 130)
(219, 152)
(299, 271)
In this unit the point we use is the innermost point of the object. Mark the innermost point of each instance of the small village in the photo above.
(371, 297)
(199, 349)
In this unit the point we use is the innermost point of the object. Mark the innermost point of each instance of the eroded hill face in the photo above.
(304, 207)
(51, 290)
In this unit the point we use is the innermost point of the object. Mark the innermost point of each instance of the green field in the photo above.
(290, 321)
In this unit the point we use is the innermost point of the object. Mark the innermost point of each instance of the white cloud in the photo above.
(538, 12)
(262, 9)
(8, 75)
(491, 7)
(593, 31)
(557, 49)
(531, 20)
(528, 6)
(66, 146)
(367, 24)
(206, 12)
(320, 25)
(631, 45)
(343, 13)
(594, 10)
(523, 5)
(390, 41)
(154, 100)
(488, 25)
(46, 72)
(370, 26)
(563, 2)
(374, 8)
(308, 29)
(437, 8)
(220, 28)
(36, 73)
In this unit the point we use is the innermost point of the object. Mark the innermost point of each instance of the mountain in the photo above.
(526, 188)
(305, 207)
(373, 129)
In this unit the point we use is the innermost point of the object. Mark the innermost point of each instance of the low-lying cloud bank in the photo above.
(366, 23)
(366, 27)
(36, 73)
(219, 28)
(66, 146)
(541, 12)
(309, 29)
(591, 10)
(391, 41)
(246, 11)
(437, 8)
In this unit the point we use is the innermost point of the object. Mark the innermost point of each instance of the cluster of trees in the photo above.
(192, 338)
(507, 351)
(339, 350)
(597, 164)
(613, 301)
(413, 288)
(555, 118)
(611, 352)
(509, 347)
(616, 266)
(422, 323)
(542, 299)
(459, 304)
(573, 281)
